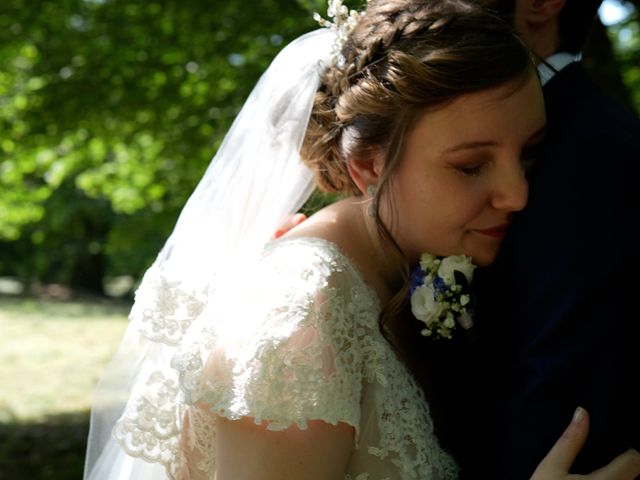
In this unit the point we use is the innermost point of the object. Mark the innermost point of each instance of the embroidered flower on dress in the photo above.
(440, 294)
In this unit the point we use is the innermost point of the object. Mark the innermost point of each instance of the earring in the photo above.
(372, 190)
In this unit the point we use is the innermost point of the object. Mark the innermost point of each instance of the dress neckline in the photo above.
(337, 251)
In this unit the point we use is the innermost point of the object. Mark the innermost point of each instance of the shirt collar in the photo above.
(558, 61)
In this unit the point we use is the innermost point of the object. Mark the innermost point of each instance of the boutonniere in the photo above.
(441, 294)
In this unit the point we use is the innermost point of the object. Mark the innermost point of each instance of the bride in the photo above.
(248, 358)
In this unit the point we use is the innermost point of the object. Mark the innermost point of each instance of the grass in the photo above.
(51, 355)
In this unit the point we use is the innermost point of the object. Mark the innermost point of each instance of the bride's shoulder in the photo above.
(334, 223)
(315, 261)
(339, 225)
(338, 232)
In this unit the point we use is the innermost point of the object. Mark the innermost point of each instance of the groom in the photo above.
(557, 323)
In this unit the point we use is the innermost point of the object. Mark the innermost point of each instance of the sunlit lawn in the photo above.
(51, 355)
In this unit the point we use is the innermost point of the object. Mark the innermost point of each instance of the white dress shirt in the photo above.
(558, 61)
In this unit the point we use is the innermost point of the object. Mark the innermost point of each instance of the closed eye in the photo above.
(471, 171)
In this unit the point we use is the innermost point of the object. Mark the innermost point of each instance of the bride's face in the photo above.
(462, 173)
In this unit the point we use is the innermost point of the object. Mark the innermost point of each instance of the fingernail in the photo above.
(578, 415)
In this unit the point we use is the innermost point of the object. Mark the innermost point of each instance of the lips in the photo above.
(496, 232)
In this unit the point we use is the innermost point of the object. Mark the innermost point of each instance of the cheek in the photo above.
(434, 215)
(464, 208)
(409, 202)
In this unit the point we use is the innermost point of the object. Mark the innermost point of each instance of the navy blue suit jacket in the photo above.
(558, 315)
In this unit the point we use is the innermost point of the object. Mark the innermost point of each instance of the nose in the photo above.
(511, 191)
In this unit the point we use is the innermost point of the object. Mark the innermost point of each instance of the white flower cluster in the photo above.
(439, 299)
(344, 22)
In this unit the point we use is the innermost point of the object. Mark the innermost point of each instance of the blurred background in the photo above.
(110, 111)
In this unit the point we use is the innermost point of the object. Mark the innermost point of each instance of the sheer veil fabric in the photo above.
(255, 180)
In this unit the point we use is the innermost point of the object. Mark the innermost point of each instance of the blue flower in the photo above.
(439, 285)
(416, 279)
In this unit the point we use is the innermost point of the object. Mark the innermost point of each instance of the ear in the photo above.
(536, 12)
(367, 171)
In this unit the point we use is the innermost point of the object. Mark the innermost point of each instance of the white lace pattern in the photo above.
(297, 341)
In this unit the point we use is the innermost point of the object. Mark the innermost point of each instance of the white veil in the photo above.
(255, 180)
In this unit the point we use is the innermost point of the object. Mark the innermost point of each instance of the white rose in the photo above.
(461, 263)
(423, 305)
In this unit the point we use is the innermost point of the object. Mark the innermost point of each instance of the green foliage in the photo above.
(110, 112)
(626, 39)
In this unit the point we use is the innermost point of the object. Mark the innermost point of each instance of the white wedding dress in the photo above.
(296, 340)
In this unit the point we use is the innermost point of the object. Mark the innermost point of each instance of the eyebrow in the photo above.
(538, 134)
(470, 145)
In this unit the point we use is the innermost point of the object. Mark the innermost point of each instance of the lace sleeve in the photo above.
(284, 351)
(278, 345)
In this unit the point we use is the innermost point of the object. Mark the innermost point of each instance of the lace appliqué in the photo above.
(164, 309)
(312, 354)
(153, 432)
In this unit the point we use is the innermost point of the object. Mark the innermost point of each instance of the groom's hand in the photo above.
(290, 222)
(557, 463)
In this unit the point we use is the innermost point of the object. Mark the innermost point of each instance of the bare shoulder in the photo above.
(335, 223)
(341, 223)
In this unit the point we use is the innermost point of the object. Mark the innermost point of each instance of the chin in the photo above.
(484, 259)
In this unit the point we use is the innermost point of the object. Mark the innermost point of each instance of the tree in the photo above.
(110, 111)
(612, 56)
(113, 109)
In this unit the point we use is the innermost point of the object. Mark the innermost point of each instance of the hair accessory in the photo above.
(344, 22)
